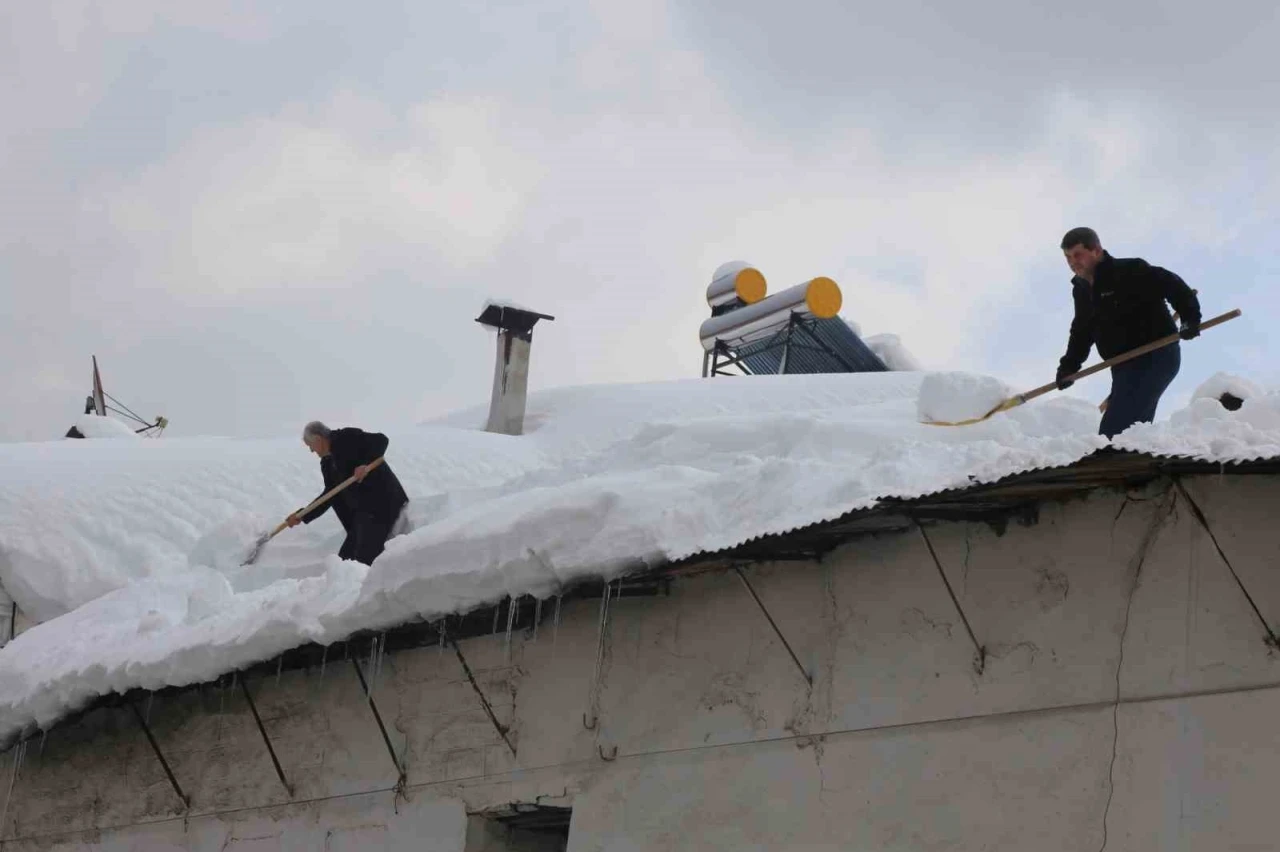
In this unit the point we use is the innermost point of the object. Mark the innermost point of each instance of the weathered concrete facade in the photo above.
(1102, 707)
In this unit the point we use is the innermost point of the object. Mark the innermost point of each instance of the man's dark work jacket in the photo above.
(379, 497)
(1125, 308)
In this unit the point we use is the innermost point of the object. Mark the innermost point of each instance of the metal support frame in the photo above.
(275, 761)
(786, 337)
(1271, 639)
(155, 747)
(721, 357)
(591, 719)
(980, 650)
(377, 717)
(502, 729)
(786, 344)
(808, 678)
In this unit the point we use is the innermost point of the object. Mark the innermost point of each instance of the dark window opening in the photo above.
(519, 828)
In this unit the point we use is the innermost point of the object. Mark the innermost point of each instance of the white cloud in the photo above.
(320, 199)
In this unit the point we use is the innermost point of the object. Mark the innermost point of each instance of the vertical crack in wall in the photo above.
(1139, 559)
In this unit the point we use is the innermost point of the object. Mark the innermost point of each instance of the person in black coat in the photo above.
(1120, 304)
(370, 509)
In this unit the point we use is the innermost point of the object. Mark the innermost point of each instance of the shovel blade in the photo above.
(1011, 402)
(257, 549)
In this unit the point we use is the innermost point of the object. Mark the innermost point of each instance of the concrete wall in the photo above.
(1139, 713)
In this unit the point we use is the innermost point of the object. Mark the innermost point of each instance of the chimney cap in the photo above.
(505, 317)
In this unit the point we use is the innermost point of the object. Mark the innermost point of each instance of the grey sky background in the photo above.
(258, 216)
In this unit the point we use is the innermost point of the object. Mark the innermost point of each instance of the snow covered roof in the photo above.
(129, 551)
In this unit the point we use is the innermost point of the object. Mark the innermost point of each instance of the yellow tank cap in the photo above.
(750, 285)
(823, 298)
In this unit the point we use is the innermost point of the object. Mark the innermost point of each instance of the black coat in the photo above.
(380, 496)
(1125, 308)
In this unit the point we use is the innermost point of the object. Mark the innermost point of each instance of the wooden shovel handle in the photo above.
(323, 497)
(1127, 356)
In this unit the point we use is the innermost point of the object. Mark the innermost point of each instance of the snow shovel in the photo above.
(266, 537)
(1015, 401)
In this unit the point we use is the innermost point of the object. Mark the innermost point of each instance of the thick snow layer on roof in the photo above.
(132, 550)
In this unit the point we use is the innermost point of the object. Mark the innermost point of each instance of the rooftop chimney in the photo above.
(511, 369)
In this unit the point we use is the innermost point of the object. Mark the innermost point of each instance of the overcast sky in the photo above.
(260, 214)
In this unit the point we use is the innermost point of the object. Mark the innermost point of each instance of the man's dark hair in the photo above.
(1086, 237)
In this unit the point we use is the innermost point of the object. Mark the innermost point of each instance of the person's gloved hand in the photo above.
(1189, 331)
(1063, 382)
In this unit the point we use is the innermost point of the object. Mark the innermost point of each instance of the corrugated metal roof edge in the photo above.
(995, 501)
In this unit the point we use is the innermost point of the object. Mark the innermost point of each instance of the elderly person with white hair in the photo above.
(371, 509)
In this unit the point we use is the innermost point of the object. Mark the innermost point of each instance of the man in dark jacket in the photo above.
(1119, 306)
(370, 508)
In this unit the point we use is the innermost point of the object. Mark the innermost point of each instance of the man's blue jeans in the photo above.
(1136, 387)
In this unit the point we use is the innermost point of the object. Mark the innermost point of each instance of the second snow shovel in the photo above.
(1015, 401)
(266, 537)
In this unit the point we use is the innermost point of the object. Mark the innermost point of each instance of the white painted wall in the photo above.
(721, 742)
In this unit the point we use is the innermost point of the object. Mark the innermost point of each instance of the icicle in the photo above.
(151, 699)
(440, 629)
(371, 668)
(537, 618)
(44, 737)
(512, 609)
(496, 610)
(382, 655)
(324, 656)
(279, 668)
(555, 633)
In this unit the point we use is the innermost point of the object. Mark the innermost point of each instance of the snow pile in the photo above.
(1209, 431)
(94, 426)
(139, 543)
(889, 349)
(955, 397)
(1224, 383)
